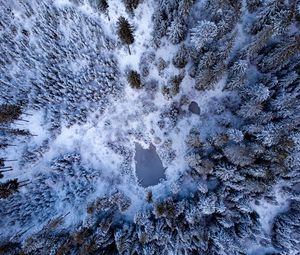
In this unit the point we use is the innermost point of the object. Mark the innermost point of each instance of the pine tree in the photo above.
(181, 58)
(146, 60)
(286, 230)
(237, 75)
(9, 113)
(281, 55)
(103, 7)
(253, 5)
(131, 5)
(125, 32)
(8, 188)
(238, 154)
(134, 79)
(176, 32)
(203, 33)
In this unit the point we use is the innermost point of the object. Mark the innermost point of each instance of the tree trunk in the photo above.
(5, 167)
(129, 49)
(23, 120)
(4, 171)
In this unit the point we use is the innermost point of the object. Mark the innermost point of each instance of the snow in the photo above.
(142, 34)
(35, 125)
(127, 121)
(62, 3)
(257, 250)
(34, 122)
(267, 212)
(128, 145)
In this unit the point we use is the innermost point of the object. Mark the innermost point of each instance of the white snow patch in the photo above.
(62, 3)
(267, 212)
(35, 126)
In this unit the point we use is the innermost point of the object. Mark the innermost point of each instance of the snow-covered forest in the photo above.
(149, 127)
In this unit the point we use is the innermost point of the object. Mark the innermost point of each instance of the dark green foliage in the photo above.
(253, 5)
(8, 188)
(175, 82)
(134, 79)
(166, 208)
(9, 113)
(171, 19)
(131, 5)
(125, 32)
(286, 229)
(280, 55)
(181, 58)
(10, 248)
(4, 145)
(2, 160)
(149, 197)
(103, 7)
(146, 60)
(17, 132)
(161, 64)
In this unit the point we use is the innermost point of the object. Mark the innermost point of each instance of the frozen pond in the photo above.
(194, 108)
(149, 168)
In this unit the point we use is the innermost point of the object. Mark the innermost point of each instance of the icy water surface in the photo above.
(149, 168)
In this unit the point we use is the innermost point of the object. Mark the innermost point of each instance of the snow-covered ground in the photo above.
(142, 158)
(106, 142)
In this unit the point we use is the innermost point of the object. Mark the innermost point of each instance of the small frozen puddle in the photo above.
(194, 108)
(149, 168)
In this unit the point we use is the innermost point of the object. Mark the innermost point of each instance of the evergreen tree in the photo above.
(103, 7)
(243, 150)
(253, 5)
(134, 79)
(131, 5)
(203, 33)
(146, 60)
(181, 58)
(9, 113)
(125, 32)
(8, 188)
(286, 230)
(176, 31)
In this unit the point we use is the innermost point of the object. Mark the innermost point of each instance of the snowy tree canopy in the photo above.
(149, 127)
(204, 32)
